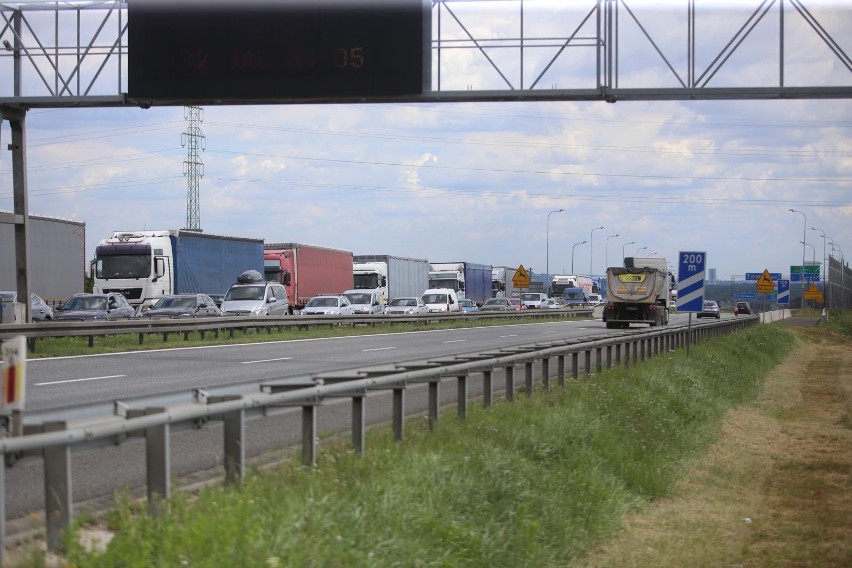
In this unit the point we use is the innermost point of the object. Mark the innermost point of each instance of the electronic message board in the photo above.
(266, 51)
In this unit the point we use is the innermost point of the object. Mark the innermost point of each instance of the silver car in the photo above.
(39, 309)
(254, 296)
(327, 306)
(406, 306)
(183, 306)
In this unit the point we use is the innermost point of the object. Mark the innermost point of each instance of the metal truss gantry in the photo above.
(74, 53)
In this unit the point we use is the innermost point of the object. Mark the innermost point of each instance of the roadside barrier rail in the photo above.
(54, 441)
(233, 324)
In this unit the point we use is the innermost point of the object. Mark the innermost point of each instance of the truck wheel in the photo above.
(611, 325)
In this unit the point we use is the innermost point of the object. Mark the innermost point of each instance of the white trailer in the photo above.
(57, 257)
(392, 276)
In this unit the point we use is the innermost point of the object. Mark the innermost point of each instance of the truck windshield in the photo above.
(123, 266)
(452, 284)
(366, 281)
(572, 295)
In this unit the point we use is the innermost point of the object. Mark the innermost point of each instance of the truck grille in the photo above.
(128, 293)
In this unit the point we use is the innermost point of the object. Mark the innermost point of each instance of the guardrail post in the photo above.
(398, 413)
(434, 402)
(587, 361)
(359, 422)
(461, 395)
(643, 348)
(560, 369)
(528, 377)
(235, 444)
(510, 383)
(635, 348)
(157, 463)
(2, 509)
(609, 356)
(545, 373)
(57, 488)
(487, 387)
(575, 365)
(309, 439)
(598, 359)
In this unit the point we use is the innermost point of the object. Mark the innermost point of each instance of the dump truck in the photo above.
(637, 292)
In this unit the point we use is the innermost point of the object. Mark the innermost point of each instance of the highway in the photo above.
(57, 385)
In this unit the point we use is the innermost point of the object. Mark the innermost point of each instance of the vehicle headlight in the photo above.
(259, 312)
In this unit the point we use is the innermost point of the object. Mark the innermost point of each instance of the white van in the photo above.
(365, 301)
(252, 295)
(534, 300)
(441, 300)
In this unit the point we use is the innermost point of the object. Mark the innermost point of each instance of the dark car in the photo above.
(110, 306)
(742, 308)
(710, 309)
(183, 306)
(497, 305)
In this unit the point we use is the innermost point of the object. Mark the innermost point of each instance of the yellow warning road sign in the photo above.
(765, 283)
(521, 279)
(813, 293)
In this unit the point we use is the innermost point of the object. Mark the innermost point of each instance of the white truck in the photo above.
(472, 281)
(563, 282)
(392, 276)
(501, 282)
(145, 265)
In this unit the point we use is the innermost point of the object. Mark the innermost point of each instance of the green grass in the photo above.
(535, 483)
(65, 346)
(840, 322)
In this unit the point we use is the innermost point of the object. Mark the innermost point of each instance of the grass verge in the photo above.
(539, 482)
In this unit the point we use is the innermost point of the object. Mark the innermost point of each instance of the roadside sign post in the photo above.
(690, 286)
(521, 280)
(783, 292)
(13, 383)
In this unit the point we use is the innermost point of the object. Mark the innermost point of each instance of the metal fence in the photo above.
(838, 289)
(57, 440)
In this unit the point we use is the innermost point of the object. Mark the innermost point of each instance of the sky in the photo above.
(484, 181)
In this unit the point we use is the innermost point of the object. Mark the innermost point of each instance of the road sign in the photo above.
(813, 293)
(745, 296)
(784, 292)
(765, 283)
(521, 279)
(14, 373)
(811, 273)
(755, 276)
(690, 281)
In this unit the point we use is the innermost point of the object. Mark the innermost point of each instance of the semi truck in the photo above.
(501, 282)
(563, 282)
(638, 292)
(470, 280)
(57, 257)
(146, 265)
(307, 270)
(392, 276)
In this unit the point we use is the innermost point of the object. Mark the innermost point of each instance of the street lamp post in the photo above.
(813, 259)
(824, 263)
(572, 254)
(547, 244)
(804, 242)
(639, 249)
(606, 257)
(622, 249)
(591, 244)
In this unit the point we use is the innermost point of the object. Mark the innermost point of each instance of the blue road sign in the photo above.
(745, 296)
(755, 276)
(784, 292)
(690, 281)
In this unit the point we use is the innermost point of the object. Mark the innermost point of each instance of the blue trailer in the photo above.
(470, 280)
(146, 265)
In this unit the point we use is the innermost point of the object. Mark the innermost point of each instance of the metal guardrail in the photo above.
(56, 440)
(232, 324)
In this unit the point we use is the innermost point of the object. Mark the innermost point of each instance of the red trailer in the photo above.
(307, 270)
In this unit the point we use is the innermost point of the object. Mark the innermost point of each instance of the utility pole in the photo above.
(193, 167)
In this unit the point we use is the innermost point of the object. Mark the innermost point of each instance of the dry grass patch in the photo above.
(773, 491)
